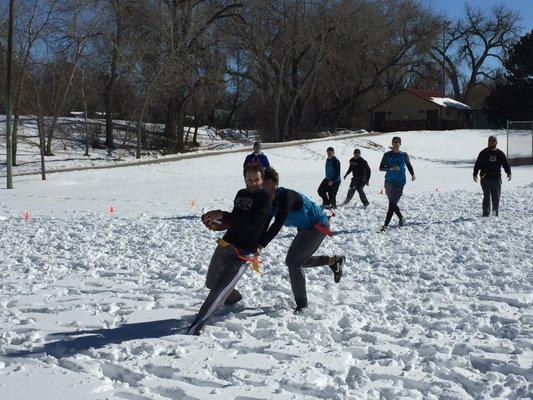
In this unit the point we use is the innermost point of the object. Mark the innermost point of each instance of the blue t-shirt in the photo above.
(390, 159)
(333, 169)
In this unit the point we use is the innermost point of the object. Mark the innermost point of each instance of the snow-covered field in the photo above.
(92, 304)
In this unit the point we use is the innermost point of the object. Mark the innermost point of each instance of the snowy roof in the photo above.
(434, 97)
(441, 101)
(449, 103)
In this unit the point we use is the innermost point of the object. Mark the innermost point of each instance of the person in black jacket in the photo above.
(247, 223)
(360, 177)
(488, 164)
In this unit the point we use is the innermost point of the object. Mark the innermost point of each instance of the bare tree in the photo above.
(472, 41)
(116, 42)
(190, 32)
(32, 25)
(74, 27)
(377, 51)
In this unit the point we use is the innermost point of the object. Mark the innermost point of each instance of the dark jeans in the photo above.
(300, 255)
(328, 193)
(491, 191)
(359, 185)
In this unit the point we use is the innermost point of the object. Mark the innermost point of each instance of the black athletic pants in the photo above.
(394, 193)
(357, 184)
(328, 193)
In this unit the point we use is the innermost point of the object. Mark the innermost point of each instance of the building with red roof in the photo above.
(414, 109)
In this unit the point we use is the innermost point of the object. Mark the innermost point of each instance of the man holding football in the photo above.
(245, 225)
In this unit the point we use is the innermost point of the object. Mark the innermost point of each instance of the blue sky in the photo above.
(455, 8)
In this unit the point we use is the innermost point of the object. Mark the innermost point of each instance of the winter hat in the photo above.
(493, 139)
(357, 151)
(330, 149)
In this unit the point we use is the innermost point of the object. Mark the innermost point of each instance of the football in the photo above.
(214, 224)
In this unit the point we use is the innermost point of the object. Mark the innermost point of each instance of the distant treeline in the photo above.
(283, 67)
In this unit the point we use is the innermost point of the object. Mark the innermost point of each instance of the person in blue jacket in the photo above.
(330, 185)
(394, 163)
(291, 208)
(257, 157)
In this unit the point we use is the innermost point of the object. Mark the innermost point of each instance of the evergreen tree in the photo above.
(512, 97)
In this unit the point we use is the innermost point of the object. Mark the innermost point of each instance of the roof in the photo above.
(433, 97)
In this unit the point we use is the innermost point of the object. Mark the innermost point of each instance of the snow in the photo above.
(92, 304)
(68, 145)
(450, 103)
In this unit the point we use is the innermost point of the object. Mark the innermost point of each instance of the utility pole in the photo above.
(9, 146)
(445, 26)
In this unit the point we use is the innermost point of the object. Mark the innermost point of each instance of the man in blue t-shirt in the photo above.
(330, 185)
(291, 208)
(257, 157)
(394, 163)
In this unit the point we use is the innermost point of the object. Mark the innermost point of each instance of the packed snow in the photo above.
(450, 103)
(107, 267)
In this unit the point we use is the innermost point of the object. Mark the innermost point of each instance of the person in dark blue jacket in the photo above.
(257, 157)
(394, 163)
(330, 185)
(291, 208)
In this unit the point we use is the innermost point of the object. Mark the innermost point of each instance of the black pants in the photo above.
(328, 193)
(394, 193)
(300, 255)
(491, 191)
(359, 185)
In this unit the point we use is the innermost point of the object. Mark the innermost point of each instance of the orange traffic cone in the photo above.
(111, 210)
(26, 215)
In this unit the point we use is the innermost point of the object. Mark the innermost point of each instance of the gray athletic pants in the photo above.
(225, 269)
(491, 191)
(300, 255)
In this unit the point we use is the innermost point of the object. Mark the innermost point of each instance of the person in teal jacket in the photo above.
(394, 162)
(291, 208)
(330, 185)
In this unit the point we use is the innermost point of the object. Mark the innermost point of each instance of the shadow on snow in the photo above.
(75, 342)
